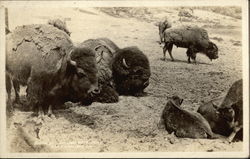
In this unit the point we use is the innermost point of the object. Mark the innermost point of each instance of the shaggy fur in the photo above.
(133, 78)
(184, 123)
(217, 124)
(194, 38)
(104, 50)
(39, 56)
(227, 117)
(59, 24)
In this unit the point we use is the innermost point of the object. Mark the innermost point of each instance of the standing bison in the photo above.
(227, 118)
(44, 58)
(194, 38)
(127, 70)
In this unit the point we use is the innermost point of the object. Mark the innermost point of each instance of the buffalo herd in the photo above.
(43, 58)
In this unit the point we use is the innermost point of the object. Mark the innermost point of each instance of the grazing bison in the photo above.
(184, 123)
(44, 58)
(227, 118)
(194, 38)
(127, 70)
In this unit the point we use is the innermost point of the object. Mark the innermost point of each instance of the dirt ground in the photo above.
(131, 124)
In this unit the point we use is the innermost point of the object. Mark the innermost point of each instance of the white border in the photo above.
(127, 3)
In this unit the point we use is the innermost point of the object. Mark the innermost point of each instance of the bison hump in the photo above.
(187, 34)
(104, 50)
(41, 40)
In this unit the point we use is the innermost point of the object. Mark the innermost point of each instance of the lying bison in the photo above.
(44, 58)
(126, 70)
(226, 118)
(194, 38)
(184, 123)
(104, 50)
(130, 71)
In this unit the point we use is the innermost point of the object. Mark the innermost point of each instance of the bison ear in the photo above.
(124, 63)
(215, 106)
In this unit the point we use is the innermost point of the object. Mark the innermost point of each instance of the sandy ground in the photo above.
(131, 124)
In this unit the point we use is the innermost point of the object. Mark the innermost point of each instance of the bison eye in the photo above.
(80, 73)
(138, 71)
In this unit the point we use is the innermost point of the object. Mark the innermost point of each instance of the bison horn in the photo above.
(73, 63)
(124, 62)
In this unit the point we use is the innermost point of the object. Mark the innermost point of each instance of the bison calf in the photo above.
(184, 123)
(227, 118)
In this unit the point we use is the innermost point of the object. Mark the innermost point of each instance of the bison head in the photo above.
(83, 68)
(212, 51)
(162, 27)
(131, 71)
(225, 115)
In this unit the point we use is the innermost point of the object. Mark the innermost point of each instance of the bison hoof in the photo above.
(163, 59)
(52, 116)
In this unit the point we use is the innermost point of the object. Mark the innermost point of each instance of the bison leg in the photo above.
(193, 57)
(9, 107)
(50, 112)
(231, 137)
(170, 51)
(17, 90)
(8, 86)
(188, 55)
(165, 48)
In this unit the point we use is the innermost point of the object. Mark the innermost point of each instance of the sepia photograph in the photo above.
(124, 78)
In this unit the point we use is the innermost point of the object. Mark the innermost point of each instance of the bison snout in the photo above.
(94, 89)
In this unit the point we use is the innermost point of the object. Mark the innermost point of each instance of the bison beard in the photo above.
(130, 71)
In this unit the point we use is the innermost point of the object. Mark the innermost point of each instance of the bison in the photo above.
(226, 118)
(130, 71)
(126, 70)
(194, 38)
(184, 123)
(44, 58)
(104, 50)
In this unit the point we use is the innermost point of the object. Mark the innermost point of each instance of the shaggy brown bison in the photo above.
(184, 123)
(226, 118)
(194, 38)
(44, 58)
(127, 70)
(130, 71)
(104, 50)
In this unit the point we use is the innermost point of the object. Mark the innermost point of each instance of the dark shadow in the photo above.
(74, 117)
(185, 61)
